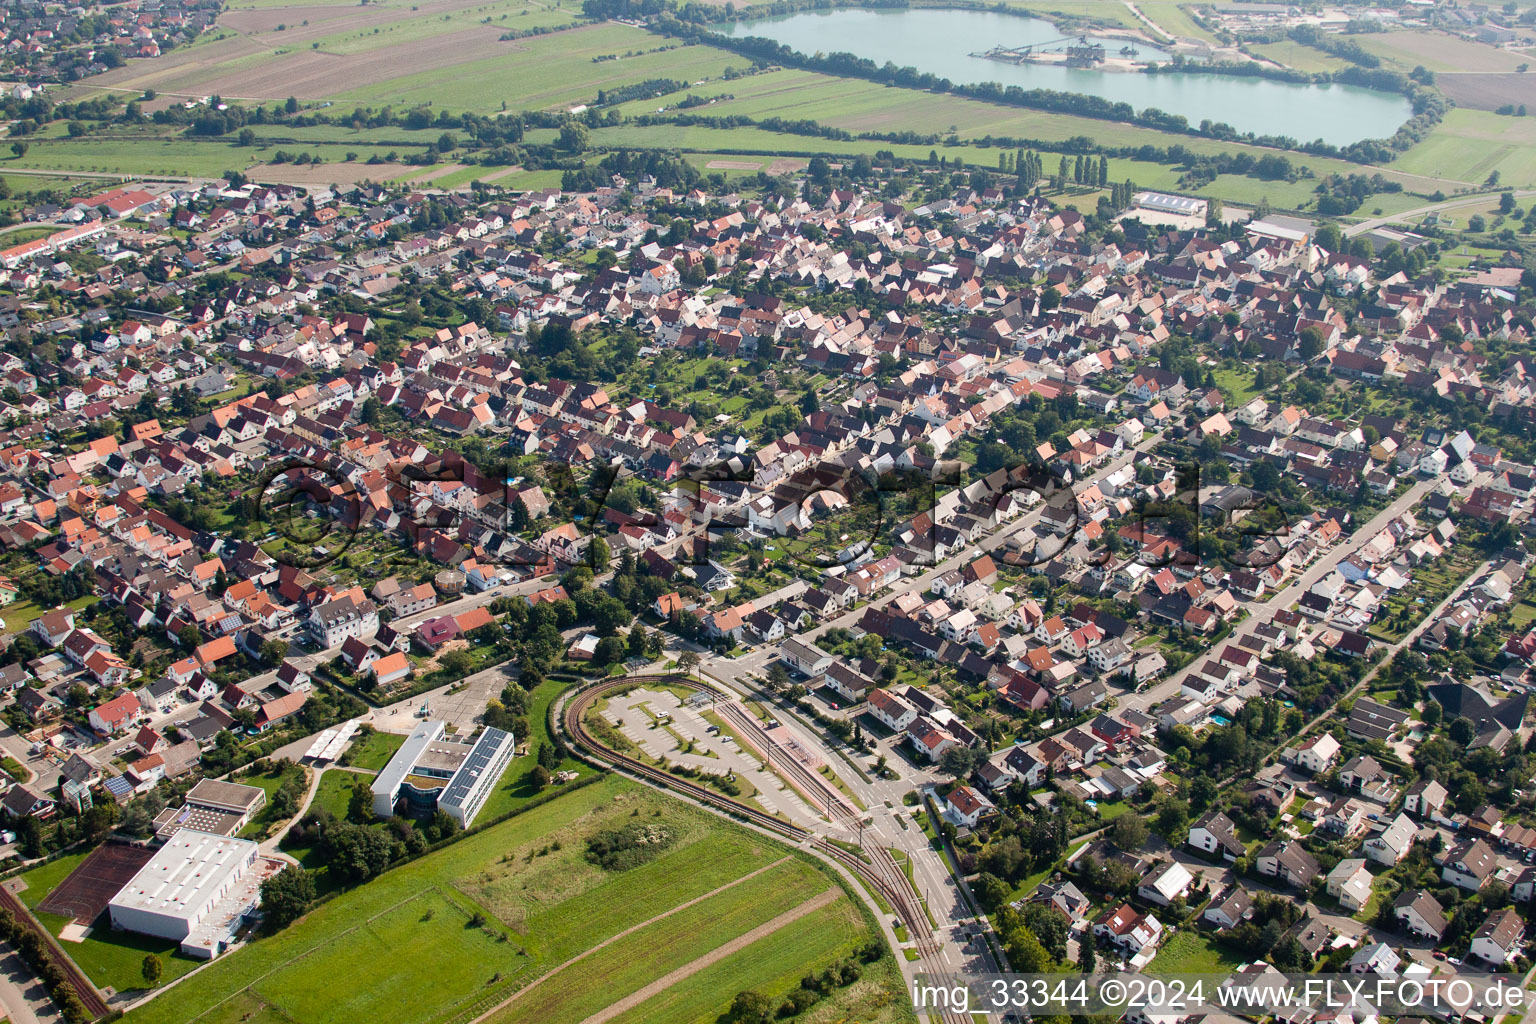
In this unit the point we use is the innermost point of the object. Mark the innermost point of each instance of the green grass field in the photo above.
(769, 965)
(426, 931)
(507, 16)
(24, 185)
(1302, 58)
(1107, 13)
(1237, 386)
(1172, 18)
(335, 791)
(1471, 144)
(18, 615)
(374, 750)
(28, 234)
(551, 71)
(1190, 952)
(410, 938)
(644, 955)
(460, 178)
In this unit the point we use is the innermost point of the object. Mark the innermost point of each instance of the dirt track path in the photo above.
(536, 982)
(737, 944)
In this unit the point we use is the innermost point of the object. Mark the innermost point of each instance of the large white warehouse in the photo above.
(197, 889)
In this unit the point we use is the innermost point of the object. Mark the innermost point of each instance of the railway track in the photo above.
(881, 872)
(818, 791)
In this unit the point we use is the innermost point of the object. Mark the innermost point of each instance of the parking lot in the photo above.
(663, 727)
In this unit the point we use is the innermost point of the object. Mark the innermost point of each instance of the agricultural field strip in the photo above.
(772, 963)
(565, 926)
(693, 967)
(636, 961)
(615, 938)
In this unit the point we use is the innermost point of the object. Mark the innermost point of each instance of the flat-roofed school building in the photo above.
(431, 772)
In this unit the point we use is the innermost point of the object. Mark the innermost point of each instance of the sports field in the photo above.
(84, 895)
(517, 922)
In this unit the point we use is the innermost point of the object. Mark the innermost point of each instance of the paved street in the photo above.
(1262, 611)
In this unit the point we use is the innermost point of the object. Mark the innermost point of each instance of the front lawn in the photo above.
(1191, 952)
(373, 749)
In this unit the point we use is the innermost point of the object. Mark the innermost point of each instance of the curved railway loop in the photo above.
(880, 873)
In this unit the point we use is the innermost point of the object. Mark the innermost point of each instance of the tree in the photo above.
(1462, 731)
(610, 649)
(1309, 343)
(688, 662)
(357, 851)
(457, 663)
(991, 891)
(1129, 831)
(19, 148)
(750, 1007)
(360, 803)
(778, 677)
(1172, 820)
(1087, 955)
(598, 555)
(573, 137)
(1025, 953)
(958, 762)
(540, 777)
(152, 968)
(286, 895)
(30, 835)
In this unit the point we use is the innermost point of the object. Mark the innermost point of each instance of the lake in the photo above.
(940, 42)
